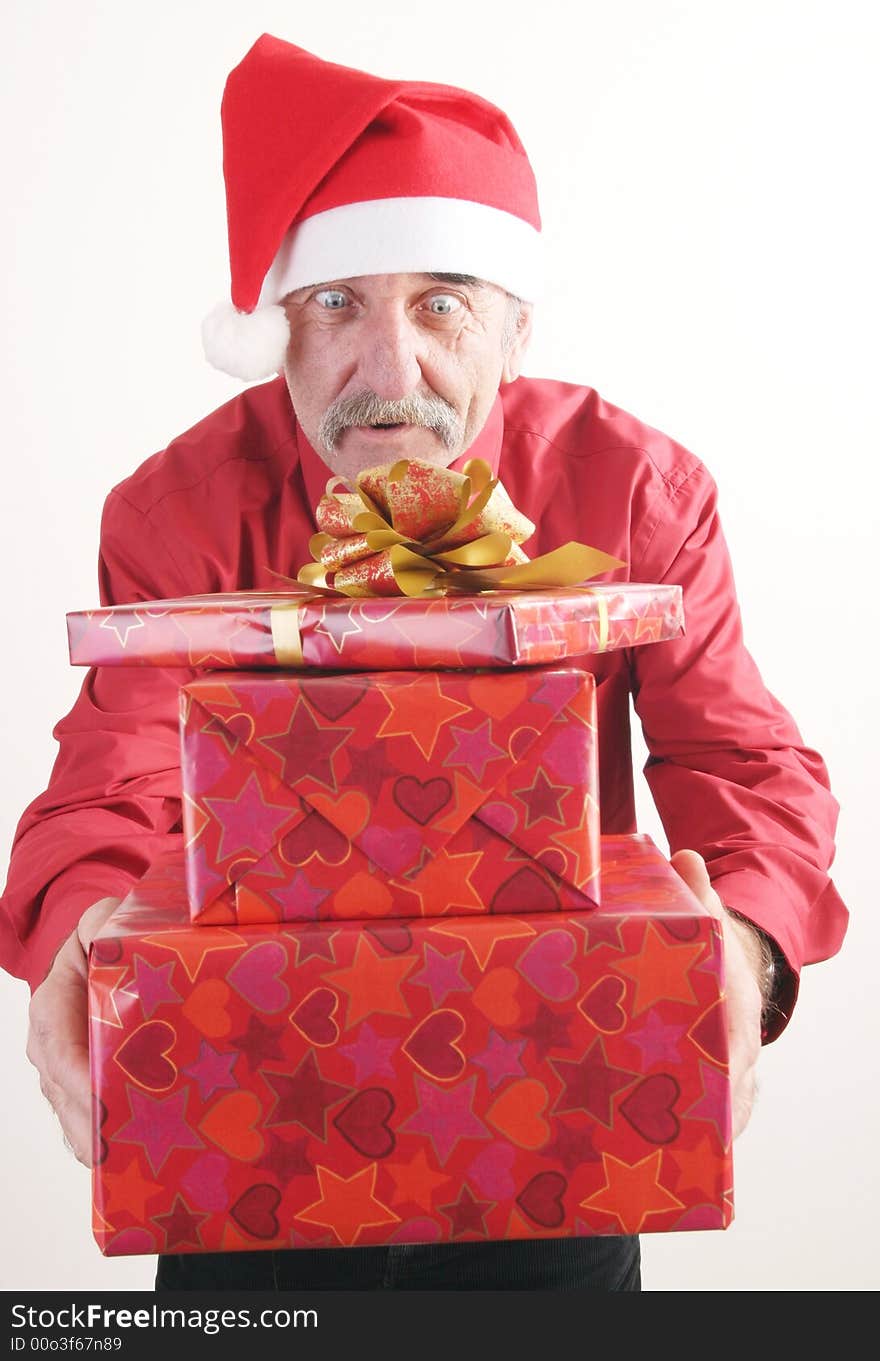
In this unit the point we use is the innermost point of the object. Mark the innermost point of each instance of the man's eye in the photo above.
(444, 304)
(331, 298)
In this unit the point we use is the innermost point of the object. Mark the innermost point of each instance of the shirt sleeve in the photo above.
(113, 800)
(728, 768)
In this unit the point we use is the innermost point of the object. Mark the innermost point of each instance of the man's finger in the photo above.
(691, 867)
(742, 991)
(93, 919)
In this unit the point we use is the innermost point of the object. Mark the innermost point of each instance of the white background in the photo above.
(707, 171)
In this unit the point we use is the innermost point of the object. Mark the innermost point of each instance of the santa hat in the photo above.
(332, 173)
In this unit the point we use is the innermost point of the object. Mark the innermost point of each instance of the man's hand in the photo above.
(743, 966)
(58, 1033)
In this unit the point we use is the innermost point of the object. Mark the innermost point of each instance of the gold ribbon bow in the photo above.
(411, 528)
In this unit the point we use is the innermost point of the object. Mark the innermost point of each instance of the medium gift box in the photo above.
(390, 794)
(300, 628)
(335, 1084)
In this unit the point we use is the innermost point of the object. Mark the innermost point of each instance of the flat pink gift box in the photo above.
(249, 629)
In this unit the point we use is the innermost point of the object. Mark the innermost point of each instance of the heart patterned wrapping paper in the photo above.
(389, 794)
(338, 1083)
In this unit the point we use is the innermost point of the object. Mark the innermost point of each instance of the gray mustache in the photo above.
(366, 408)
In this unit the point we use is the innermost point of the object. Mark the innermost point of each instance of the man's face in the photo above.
(416, 352)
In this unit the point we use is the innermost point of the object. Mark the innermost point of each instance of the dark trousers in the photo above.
(603, 1263)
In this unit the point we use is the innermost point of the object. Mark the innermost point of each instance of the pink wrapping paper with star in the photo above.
(250, 629)
(331, 1084)
(390, 794)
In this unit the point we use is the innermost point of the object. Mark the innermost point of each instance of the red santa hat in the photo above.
(332, 173)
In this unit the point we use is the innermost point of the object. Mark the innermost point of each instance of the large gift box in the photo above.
(249, 629)
(390, 794)
(460, 1079)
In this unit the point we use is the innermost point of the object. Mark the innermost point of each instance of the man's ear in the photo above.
(513, 359)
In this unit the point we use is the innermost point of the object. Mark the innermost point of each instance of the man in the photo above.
(384, 240)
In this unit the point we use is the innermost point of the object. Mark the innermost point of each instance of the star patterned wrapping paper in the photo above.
(334, 1084)
(250, 629)
(389, 794)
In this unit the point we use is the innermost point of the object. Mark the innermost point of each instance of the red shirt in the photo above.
(232, 500)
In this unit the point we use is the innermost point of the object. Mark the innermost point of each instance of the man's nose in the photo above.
(389, 361)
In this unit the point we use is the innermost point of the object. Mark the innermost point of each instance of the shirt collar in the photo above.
(487, 446)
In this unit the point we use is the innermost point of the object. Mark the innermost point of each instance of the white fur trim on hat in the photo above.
(408, 236)
(247, 345)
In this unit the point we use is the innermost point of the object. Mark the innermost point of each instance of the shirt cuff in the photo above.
(64, 903)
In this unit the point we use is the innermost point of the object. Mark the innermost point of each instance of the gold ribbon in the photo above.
(602, 606)
(286, 636)
(414, 529)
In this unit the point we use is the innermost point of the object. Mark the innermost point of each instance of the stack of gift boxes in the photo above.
(395, 987)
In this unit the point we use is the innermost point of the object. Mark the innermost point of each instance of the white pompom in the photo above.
(247, 345)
